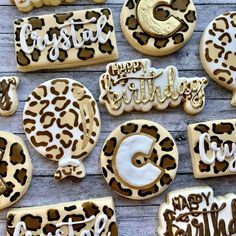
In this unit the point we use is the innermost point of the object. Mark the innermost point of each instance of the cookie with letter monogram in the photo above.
(135, 85)
(15, 169)
(64, 40)
(139, 159)
(62, 122)
(218, 51)
(8, 95)
(213, 148)
(158, 27)
(196, 211)
(28, 5)
(82, 218)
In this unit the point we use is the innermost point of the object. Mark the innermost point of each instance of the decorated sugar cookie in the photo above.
(196, 211)
(82, 218)
(135, 85)
(8, 95)
(15, 169)
(213, 148)
(28, 5)
(218, 51)
(158, 27)
(62, 122)
(139, 159)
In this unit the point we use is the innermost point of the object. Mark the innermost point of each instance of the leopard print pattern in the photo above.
(164, 155)
(220, 132)
(157, 46)
(15, 169)
(91, 52)
(62, 122)
(43, 220)
(218, 51)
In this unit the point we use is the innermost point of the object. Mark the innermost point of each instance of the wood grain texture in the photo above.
(134, 218)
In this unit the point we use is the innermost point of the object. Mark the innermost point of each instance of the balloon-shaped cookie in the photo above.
(15, 169)
(158, 27)
(218, 51)
(62, 122)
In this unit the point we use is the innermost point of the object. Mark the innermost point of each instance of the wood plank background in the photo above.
(134, 218)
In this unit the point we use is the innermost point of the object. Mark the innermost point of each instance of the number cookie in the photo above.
(218, 51)
(8, 95)
(62, 122)
(83, 218)
(196, 211)
(213, 148)
(139, 159)
(15, 169)
(158, 27)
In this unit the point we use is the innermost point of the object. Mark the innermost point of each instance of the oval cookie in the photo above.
(15, 169)
(62, 122)
(218, 51)
(158, 27)
(139, 159)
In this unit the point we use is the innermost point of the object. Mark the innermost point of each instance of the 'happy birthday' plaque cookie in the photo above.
(15, 169)
(158, 27)
(63, 40)
(83, 218)
(218, 51)
(62, 122)
(135, 85)
(139, 159)
(213, 148)
(196, 211)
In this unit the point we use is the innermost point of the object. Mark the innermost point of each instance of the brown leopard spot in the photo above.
(178, 38)
(86, 53)
(168, 162)
(150, 130)
(35, 55)
(110, 146)
(33, 223)
(90, 209)
(204, 167)
(108, 211)
(220, 166)
(22, 59)
(75, 218)
(113, 229)
(130, 4)
(161, 43)
(53, 215)
(52, 31)
(17, 155)
(132, 22)
(92, 14)
(37, 23)
(3, 169)
(21, 176)
(49, 228)
(223, 128)
(106, 12)
(190, 16)
(148, 191)
(116, 186)
(129, 128)
(9, 191)
(167, 144)
(62, 17)
(202, 128)
(181, 5)
(106, 47)
(161, 14)
(142, 38)
(3, 143)
(166, 179)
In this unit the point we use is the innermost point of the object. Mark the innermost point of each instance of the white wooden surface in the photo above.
(134, 218)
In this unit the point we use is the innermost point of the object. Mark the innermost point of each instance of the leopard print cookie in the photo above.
(218, 51)
(95, 217)
(213, 148)
(139, 159)
(158, 27)
(62, 122)
(15, 169)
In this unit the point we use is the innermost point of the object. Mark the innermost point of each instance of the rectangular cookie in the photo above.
(65, 40)
(213, 148)
(88, 217)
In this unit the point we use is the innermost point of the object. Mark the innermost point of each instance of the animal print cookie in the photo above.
(82, 218)
(8, 95)
(15, 169)
(213, 148)
(64, 40)
(62, 122)
(196, 211)
(218, 51)
(139, 159)
(158, 27)
(29, 5)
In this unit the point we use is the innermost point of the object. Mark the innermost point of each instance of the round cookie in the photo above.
(15, 169)
(139, 159)
(62, 122)
(218, 51)
(158, 27)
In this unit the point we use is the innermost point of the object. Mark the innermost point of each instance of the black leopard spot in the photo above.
(130, 4)
(14, 197)
(70, 208)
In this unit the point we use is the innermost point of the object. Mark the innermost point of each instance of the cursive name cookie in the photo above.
(65, 40)
(8, 95)
(15, 169)
(195, 211)
(158, 27)
(139, 159)
(28, 5)
(135, 85)
(62, 122)
(218, 51)
(213, 148)
(83, 218)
